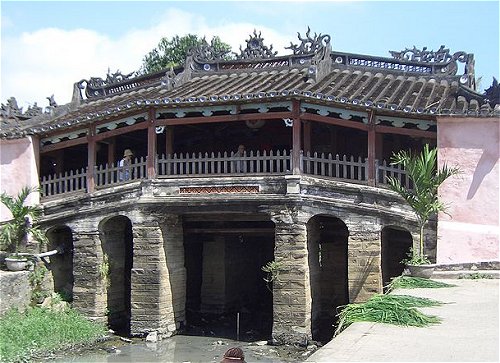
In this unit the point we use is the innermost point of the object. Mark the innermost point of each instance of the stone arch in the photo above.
(117, 246)
(61, 264)
(327, 243)
(395, 245)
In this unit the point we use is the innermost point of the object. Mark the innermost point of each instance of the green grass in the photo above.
(38, 331)
(409, 282)
(389, 309)
(475, 276)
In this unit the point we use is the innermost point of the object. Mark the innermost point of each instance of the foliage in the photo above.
(415, 258)
(272, 269)
(37, 331)
(390, 309)
(172, 52)
(426, 177)
(35, 279)
(23, 223)
(409, 282)
(475, 276)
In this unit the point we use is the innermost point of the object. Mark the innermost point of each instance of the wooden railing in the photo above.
(382, 171)
(181, 165)
(112, 174)
(70, 181)
(334, 167)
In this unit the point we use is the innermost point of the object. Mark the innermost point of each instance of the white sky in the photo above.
(48, 46)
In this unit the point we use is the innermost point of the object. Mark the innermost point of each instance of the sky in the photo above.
(48, 46)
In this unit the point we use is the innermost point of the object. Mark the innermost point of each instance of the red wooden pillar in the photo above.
(150, 161)
(169, 140)
(111, 151)
(307, 136)
(372, 137)
(91, 154)
(296, 134)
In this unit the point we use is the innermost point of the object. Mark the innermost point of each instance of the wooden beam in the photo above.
(223, 118)
(63, 145)
(407, 132)
(120, 131)
(333, 121)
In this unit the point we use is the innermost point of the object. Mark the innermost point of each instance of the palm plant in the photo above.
(423, 197)
(15, 232)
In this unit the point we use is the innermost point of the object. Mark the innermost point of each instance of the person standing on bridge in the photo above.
(124, 165)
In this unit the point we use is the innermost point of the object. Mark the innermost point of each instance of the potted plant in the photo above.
(14, 233)
(423, 198)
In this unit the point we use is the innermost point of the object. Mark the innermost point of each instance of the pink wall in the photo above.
(471, 232)
(17, 169)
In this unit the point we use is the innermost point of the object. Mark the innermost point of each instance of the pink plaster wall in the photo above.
(470, 233)
(18, 168)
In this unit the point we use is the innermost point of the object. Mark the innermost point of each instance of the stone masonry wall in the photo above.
(150, 309)
(364, 253)
(89, 292)
(292, 292)
(173, 254)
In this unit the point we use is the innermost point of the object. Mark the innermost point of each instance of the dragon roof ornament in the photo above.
(440, 57)
(256, 49)
(310, 44)
(111, 78)
(12, 110)
(208, 52)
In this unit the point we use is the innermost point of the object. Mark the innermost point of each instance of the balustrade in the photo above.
(224, 164)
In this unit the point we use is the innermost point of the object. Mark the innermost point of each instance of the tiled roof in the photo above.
(391, 86)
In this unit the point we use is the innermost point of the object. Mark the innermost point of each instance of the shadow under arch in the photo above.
(327, 241)
(61, 264)
(117, 245)
(395, 244)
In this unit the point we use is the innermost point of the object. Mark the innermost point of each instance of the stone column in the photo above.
(364, 255)
(173, 253)
(89, 290)
(150, 311)
(292, 291)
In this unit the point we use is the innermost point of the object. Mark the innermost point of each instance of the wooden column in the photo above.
(91, 159)
(150, 161)
(307, 136)
(112, 151)
(296, 133)
(371, 148)
(169, 140)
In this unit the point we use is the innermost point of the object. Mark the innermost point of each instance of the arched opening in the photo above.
(226, 294)
(61, 264)
(396, 243)
(117, 244)
(327, 246)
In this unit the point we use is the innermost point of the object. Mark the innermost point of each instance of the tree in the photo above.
(173, 52)
(24, 217)
(423, 197)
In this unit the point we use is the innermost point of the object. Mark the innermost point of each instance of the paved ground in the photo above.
(469, 331)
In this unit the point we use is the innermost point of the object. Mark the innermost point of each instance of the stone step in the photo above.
(467, 274)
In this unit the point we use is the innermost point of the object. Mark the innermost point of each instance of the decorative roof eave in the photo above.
(271, 96)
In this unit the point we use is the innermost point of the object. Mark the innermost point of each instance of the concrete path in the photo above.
(469, 331)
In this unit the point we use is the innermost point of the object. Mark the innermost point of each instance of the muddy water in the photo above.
(184, 348)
